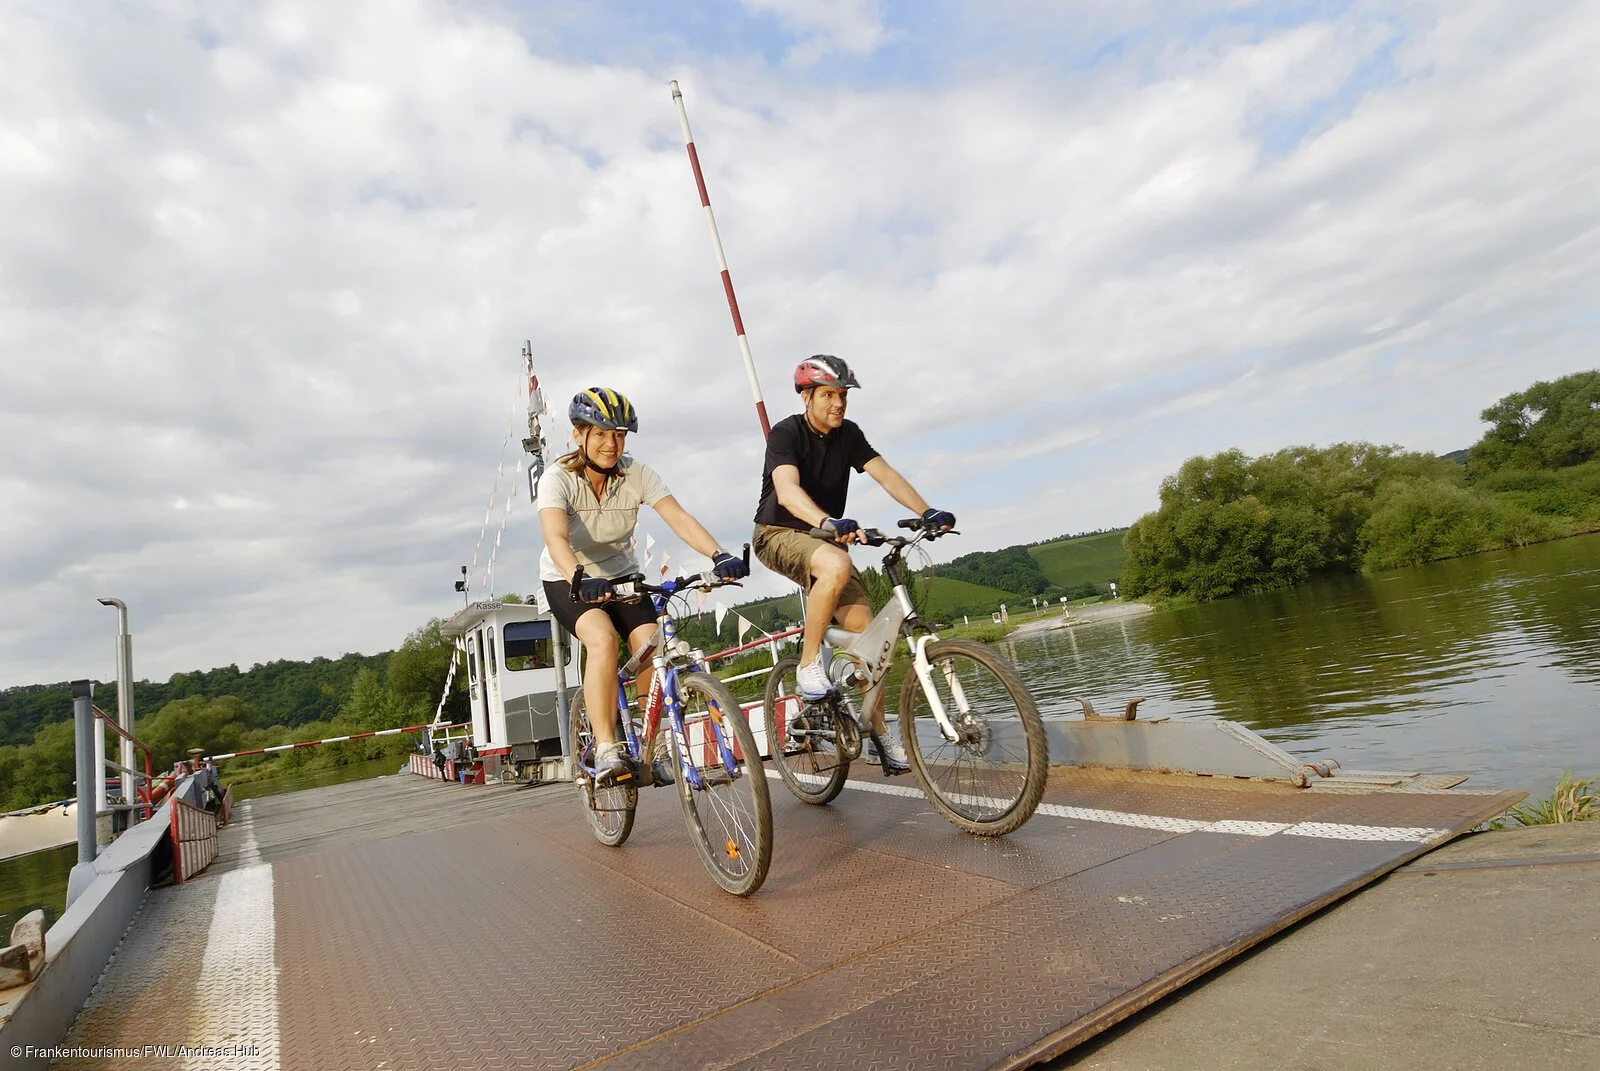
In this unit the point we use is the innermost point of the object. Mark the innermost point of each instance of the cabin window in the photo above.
(488, 644)
(472, 659)
(528, 645)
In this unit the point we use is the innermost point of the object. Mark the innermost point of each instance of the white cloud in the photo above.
(276, 262)
(850, 26)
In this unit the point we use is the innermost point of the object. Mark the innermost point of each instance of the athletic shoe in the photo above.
(812, 681)
(894, 759)
(610, 762)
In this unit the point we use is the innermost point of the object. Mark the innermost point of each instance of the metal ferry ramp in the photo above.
(406, 923)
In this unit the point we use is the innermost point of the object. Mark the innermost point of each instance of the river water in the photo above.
(1487, 666)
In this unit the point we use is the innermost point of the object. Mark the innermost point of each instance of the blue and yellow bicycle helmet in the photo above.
(605, 408)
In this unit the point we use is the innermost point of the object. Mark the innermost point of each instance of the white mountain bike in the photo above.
(971, 730)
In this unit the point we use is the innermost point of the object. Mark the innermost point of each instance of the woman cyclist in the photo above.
(588, 508)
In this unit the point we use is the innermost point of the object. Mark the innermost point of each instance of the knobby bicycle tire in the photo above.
(990, 782)
(729, 818)
(608, 808)
(812, 766)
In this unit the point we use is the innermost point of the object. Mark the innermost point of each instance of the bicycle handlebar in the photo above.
(633, 586)
(872, 537)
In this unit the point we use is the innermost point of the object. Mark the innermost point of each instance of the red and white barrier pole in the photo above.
(314, 743)
(722, 261)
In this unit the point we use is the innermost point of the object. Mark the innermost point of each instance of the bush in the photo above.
(1415, 521)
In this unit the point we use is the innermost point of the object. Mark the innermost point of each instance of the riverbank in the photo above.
(1482, 954)
(1083, 615)
(49, 827)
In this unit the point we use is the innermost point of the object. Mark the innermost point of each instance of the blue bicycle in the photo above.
(714, 760)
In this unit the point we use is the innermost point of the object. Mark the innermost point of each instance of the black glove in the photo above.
(938, 518)
(840, 526)
(727, 567)
(593, 589)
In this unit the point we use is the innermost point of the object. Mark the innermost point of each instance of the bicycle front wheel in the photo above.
(729, 813)
(609, 808)
(989, 780)
(804, 740)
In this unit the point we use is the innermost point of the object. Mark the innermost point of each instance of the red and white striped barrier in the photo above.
(424, 766)
(194, 839)
(722, 262)
(314, 743)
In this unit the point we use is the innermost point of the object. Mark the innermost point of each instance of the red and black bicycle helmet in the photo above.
(823, 370)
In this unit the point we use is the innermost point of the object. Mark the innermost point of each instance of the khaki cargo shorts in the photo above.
(788, 551)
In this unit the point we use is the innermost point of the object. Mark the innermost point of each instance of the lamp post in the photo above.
(124, 705)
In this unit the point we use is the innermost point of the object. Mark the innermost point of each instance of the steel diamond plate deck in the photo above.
(425, 925)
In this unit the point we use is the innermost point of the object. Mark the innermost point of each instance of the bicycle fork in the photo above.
(713, 730)
(924, 671)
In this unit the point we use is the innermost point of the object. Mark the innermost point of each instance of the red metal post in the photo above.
(722, 262)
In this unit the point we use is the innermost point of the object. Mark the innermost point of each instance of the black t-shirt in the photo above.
(824, 462)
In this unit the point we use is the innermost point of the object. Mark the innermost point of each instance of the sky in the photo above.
(267, 267)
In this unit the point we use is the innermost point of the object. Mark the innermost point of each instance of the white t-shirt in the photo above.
(599, 529)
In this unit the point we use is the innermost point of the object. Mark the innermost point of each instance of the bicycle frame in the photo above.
(665, 695)
(873, 647)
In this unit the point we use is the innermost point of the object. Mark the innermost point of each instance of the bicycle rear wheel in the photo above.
(804, 740)
(609, 808)
(990, 780)
(730, 814)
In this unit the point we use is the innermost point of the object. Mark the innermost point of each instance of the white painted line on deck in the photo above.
(237, 991)
(1236, 826)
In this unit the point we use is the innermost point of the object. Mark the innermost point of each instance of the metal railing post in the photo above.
(83, 724)
(99, 744)
(558, 655)
(125, 696)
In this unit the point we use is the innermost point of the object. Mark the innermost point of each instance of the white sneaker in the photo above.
(812, 681)
(610, 762)
(893, 758)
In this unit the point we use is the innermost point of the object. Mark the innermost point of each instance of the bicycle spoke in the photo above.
(729, 815)
(609, 808)
(990, 778)
(804, 740)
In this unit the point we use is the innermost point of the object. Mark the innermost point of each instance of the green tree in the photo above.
(1550, 425)
(417, 672)
(43, 771)
(1229, 523)
(213, 725)
(370, 706)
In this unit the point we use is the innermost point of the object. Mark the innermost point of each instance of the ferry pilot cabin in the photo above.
(512, 681)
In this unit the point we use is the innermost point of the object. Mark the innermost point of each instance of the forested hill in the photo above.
(229, 709)
(281, 693)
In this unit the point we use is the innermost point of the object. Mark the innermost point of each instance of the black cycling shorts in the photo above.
(625, 616)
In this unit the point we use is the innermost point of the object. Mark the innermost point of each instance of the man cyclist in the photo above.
(588, 508)
(805, 481)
